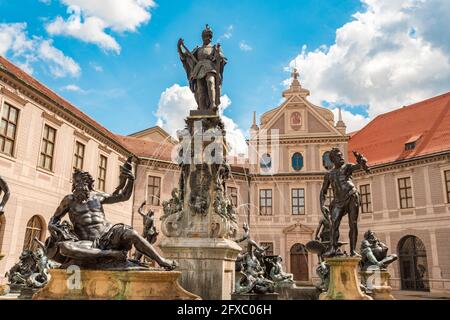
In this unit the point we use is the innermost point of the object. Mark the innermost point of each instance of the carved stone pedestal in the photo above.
(377, 284)
(114, 285)
(3, 287)
(207, 265)
(344, 283)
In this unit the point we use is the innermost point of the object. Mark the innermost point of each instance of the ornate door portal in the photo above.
(413, 264)
(299, 262)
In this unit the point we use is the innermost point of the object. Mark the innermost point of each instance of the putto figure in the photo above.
(91, 241)
(204, 68)
(346, 199)
(5, 190)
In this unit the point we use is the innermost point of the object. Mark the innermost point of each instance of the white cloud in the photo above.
(354, 122)
(174, 106)
(393, 53)
(96, 67)
(228, 33)
(72, 88)
(24, 51)
(89, 20)
(244, 46)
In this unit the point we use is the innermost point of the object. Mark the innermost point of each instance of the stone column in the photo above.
(199, 222)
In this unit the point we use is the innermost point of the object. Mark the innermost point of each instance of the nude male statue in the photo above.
(92, 240)
(346, 199)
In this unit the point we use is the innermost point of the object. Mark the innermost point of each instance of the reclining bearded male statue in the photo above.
(91, 242)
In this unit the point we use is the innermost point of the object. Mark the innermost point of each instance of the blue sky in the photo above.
(124, 97)
(355, 68)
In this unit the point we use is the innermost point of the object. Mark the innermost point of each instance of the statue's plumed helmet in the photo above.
(333, 154)
(207, 32)
(85, 177)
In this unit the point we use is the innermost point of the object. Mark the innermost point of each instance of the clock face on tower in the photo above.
(296, 121)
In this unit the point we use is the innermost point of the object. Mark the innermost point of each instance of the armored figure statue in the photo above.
(374, 253)
(150, 233)
(90, 241)
(346, 199)
(5, 189)
(204, 68)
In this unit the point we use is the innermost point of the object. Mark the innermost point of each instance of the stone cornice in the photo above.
(305, 140)
(52, 118)
(54, 107)
(387, 167)
(13, 96)
(81, 135)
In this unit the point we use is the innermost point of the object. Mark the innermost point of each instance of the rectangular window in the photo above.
(269, 246)
(153, 190)
(366, 202)
(265, 202)
(78, 156)
(298, 201)
(232, 194)
(102, 166)
(8, 128)
(447, 184)
(405, 193)
(47, 148)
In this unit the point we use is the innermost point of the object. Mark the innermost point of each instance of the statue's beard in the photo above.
(81, 194)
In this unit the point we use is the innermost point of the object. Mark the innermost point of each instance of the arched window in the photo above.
(326, 161)
(266, 161)
(297, 161)
(35, 229)
(413, 264)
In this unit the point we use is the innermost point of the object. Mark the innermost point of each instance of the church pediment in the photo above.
(298, 228)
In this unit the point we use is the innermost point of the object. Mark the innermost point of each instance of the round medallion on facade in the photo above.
(296, 121)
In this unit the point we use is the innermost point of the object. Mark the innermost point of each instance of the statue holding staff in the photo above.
(204, 68)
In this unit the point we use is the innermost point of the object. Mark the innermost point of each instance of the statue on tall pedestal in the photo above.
(5, 189)
(204, 68)
(346, 199)
(200, 221)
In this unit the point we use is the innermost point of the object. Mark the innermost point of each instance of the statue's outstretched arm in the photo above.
(122, 195)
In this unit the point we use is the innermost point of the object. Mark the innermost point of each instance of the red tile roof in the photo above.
(147, 149)
(427, 123)
(28, 80)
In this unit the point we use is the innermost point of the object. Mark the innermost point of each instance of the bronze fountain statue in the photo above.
(90, 241)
